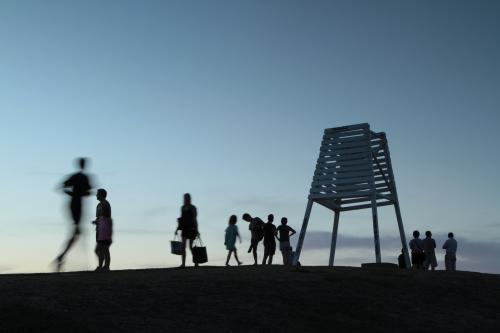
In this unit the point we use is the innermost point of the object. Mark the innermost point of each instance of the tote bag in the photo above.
(199, 252)
(176, 246)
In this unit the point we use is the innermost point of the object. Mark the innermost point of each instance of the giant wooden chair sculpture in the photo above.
(353, 172)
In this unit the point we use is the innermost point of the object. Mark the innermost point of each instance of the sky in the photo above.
(228, 100)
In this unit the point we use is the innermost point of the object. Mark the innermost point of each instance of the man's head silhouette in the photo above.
(82, 161)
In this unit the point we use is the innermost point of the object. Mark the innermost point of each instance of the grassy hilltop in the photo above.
(251, 299)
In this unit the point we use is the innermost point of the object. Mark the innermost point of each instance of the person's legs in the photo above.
(453, 262)
(228, 257)
(447, 262)
(254, 251)
(184, 240)
(60, 258)
(106, 257)
(272, 251)
(191, 241)
(100, 257)
(236, 257)
(76, 214)
(427, 262)
(288, 255)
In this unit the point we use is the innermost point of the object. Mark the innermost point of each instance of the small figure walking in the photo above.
(269, 243)
(104, 231)
(188, 225)
(450, 258)
(417, 251)
(430, 251)
(284, 232)
(230, 240)
(255, 227)
(76, 186)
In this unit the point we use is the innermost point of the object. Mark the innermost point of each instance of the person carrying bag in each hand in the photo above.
(188, 225)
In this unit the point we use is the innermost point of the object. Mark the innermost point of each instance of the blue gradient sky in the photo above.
(227, 100)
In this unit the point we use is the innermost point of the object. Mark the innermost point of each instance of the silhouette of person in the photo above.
(284, 232)
(76, 186)
(255, 228)
(417, 251)
(188, 225)
(450, 258)
(104, 231)
(401, 260)
(269, 242)
(430, 252)
(230, 240)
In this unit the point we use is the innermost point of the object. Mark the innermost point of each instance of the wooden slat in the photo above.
(363, 137)
(347, 175)
(345, 134)
(330, 153)
(336, 157)
(385, 196)
(343, 146)
(330, 204)
(348, 128)
(340, 188)
(379, 204)
(339, 196)
(342, 182)
(327, 161)
(353, 168)
(354, 200)
(352, 188)
(351, 157)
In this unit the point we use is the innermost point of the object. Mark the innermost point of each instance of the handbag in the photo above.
(199, 252)
(176, 246)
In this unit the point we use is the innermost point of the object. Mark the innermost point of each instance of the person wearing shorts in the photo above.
(269, 240)
(284, 232)
(104, 231)
(255, 227)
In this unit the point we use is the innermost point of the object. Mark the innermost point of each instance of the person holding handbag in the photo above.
(188, 225)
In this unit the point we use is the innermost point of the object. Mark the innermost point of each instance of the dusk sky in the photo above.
(228, 100)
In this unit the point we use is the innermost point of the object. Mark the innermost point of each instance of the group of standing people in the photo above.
(423, 252)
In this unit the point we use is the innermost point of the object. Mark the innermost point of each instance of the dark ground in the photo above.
(251, 299)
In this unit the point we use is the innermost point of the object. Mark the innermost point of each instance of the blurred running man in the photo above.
(76, 186)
